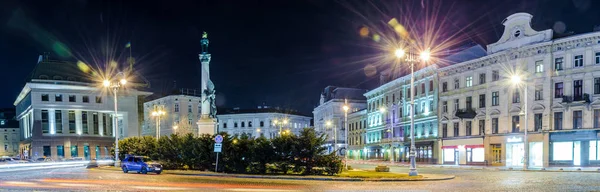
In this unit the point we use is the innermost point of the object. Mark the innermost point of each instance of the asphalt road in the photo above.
(81, 179)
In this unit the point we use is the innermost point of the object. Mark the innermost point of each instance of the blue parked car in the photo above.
(140, 164)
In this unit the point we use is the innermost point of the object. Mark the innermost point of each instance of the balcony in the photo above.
(465, 113)
(585, 98)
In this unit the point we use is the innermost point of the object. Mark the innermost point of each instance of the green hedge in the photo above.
(287, 154)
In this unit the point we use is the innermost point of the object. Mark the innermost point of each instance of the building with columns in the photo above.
(484, 114)
(262, 121)
(330, 110)
(182, 111)
(63, 113)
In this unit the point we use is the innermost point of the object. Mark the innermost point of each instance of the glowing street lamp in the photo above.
(106, 83)
(517, 81)
(410, 58)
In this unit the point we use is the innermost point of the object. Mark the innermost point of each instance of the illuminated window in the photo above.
(469, 81)
(539, 66)
(563, 151)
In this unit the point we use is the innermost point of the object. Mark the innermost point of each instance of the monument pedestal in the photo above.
(207, 125)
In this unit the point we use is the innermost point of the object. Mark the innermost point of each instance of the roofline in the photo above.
(401, 79)
(250, 113)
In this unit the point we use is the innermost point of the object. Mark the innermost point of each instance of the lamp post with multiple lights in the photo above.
(517, 81)
(157, 113)
(115, 88)
(410, 58)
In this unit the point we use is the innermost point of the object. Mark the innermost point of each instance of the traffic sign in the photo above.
(219, 139)
(218, 147)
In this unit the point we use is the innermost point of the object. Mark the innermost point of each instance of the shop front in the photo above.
(574, 149)
(463, 151)
(515, 151)
(424, 151)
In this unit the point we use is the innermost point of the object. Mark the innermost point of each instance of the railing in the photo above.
(467, 113)
(568, 99)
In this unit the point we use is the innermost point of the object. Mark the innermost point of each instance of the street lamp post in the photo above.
(158, 112)
(516, 80)
(410, 58)
(115, 87)
(345, 107)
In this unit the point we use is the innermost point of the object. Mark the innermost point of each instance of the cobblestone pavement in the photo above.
(81, 179)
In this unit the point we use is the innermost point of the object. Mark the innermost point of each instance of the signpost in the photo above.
(218, 145)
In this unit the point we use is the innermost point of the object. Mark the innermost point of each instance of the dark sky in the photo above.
(282, 52)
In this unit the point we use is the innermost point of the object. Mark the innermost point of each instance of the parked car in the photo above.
(76, 159)
(44, 159)
(140, 164)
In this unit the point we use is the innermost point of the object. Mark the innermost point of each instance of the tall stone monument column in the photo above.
(208, 116)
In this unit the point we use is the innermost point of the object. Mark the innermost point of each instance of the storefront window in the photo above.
(562, 151)
(593, 150)
(478, 155)
(429, 152)
(448, 155)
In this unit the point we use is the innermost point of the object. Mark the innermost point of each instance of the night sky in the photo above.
(281, 52)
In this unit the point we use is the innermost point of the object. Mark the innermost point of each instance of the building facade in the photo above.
(388, 118)
(182, 111)
(484, 113)
(62, 113)
(9, 133)
(261, 122)
(357, 124)
(329, 115)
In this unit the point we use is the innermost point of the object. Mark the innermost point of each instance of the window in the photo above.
(422, 89)
(578, 61)
(74, 151)
(515, 124)
(456, 105)
(84, 122)
(60, 151)
(45, 97)
(495, 98)
(596, 118)
(468, 128)
(104, 125)
(98, 99)
(494, 125)
(58, 98)
(558, 90)
(243, 124)
(249, 123)
(469, 81)
(495, 75)
(176, 108)
(45, 126)
(262, 123)
(189, 108)
(482, 101)
(578, 90)
(235, 124)
(537, 123)
(95, 124)
(456, 83)
(72, 127)
(481, 126)
(456, 129)
(539, 93)
(189, 120)
(394, 98)
(597, 57)
(58, 121)
(539, 66)
(577, 123)
(72, 98)
(558, 64)
(445, 106)
(596, 85)
(47, 152)
(444, 86)
(85, 99)
(416, 90)
(5, 137)
(558, 120)
(468, 102)
(482, 78)
(430, 85)
(516, 96)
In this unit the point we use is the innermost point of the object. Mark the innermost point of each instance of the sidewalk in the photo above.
(494, 168)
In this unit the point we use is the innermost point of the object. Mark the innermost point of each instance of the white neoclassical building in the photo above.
(182, 111)
(330, 110)
(263, 121)
(484, 115)
(63, 114)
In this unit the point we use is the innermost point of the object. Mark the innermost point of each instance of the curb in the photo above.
(320, 179)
